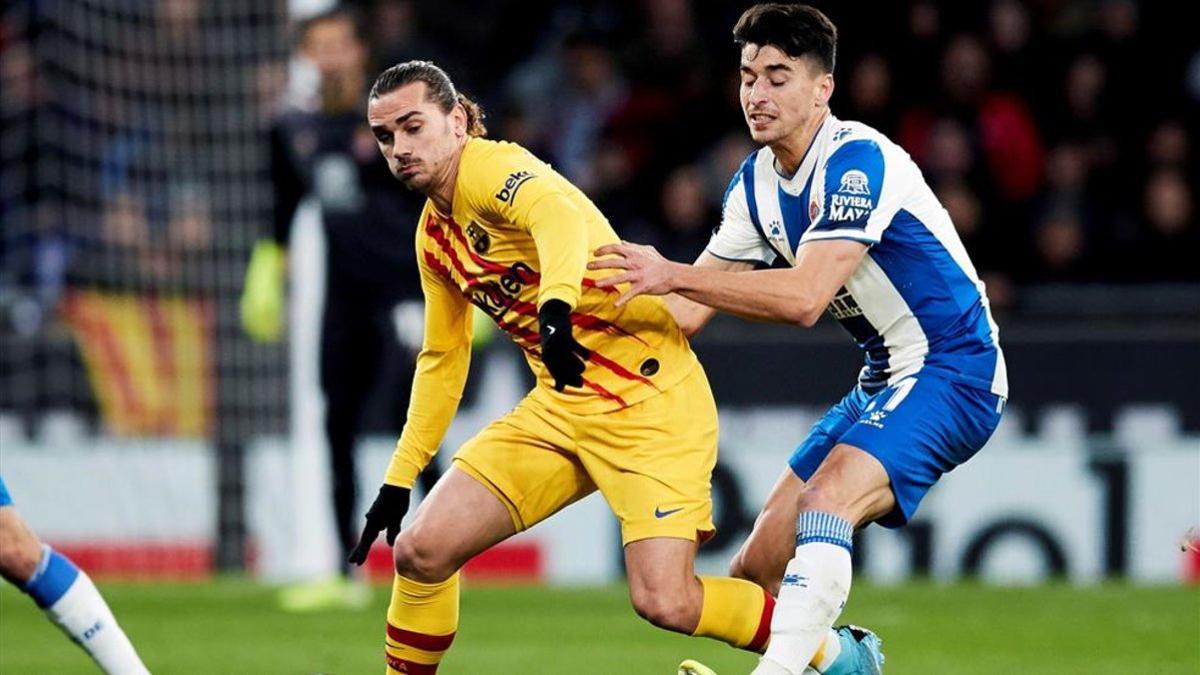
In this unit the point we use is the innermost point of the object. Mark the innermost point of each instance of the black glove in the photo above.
(562, 355)
(387, 511)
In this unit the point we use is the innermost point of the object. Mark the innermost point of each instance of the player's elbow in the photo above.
(804, 313)
(689, 325)
(809, 318)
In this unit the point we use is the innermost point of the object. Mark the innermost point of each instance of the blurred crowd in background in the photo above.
(1060, 134)
(136, 169)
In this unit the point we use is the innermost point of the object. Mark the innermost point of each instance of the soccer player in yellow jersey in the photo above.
(620, 405)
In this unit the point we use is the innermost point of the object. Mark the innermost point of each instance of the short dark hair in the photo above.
(796, 30)
(438, 88)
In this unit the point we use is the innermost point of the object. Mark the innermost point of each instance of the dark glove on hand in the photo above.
(386, 511)
(562, 355)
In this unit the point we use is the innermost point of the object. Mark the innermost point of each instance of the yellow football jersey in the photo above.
(486, 249)
(521, 234)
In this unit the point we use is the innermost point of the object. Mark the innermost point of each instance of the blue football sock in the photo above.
(54, 575)
(817, 526)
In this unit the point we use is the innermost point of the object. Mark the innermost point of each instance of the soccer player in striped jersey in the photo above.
(621, 405)
(64, 592)
(860, 235)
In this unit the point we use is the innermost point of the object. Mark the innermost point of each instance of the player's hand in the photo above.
(386, 512)
(261, 305)
(646, 271)
(562, 355)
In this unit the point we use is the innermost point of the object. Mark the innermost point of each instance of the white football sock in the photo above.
(84, 616)
(815, 586)
(827, 653)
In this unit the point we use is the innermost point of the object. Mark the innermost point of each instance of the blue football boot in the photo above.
(862, 653)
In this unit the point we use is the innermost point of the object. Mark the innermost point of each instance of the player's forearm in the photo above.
(560, 234)
(436, 391)
(763, 295)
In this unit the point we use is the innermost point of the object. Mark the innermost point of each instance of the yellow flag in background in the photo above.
(149, 360)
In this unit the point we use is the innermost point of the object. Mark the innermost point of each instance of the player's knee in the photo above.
(418, 559)
(824, 495)
(737, 568)
(669, 610)
(745, 566)
(852, 504)
(753, 565)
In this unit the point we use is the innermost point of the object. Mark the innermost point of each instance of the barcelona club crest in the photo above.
(480, 241)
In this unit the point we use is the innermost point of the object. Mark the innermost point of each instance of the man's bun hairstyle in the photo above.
(438, 88)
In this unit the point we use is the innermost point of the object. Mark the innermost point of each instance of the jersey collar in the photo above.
(816, 149)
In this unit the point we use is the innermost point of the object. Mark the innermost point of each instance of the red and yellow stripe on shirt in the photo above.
(486, 251)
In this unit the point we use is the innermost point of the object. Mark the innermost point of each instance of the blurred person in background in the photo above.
(1060, 234)
(64, 592)
(991, 248)
(687, 213)
(1059, 242)
(395, 34)
(567, 100)
(1170, 239)
(328, 153)
(32, 254)
(998, 124)
(870, 91)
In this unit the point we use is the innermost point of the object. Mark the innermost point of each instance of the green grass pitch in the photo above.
(233, 626)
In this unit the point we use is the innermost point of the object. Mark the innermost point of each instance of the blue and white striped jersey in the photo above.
(915, 300)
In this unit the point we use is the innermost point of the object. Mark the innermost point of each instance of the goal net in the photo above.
(133, 180)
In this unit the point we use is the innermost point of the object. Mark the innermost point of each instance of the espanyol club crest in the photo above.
(854, 182)
(813, 210)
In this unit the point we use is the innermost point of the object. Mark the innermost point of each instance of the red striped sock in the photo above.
(763, 635)
(399, 665)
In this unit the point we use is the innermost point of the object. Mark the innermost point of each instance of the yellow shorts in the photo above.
(652, 461)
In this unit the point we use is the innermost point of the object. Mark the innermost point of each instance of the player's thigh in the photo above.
(910, 434)
(459, 519)
(527, 460)
(771, 543)
(20, 549)
(851, 484)
(653, 461)
(765, 553)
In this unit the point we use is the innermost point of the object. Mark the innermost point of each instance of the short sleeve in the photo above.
(852, 188)
(736, 238)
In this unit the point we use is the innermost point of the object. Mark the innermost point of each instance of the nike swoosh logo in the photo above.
(659, 513)
(550, 330)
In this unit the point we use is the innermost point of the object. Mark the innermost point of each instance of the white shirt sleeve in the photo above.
(853, 185)
(736, 238)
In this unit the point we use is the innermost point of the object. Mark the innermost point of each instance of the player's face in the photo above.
(779, 93)
(417, 139)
